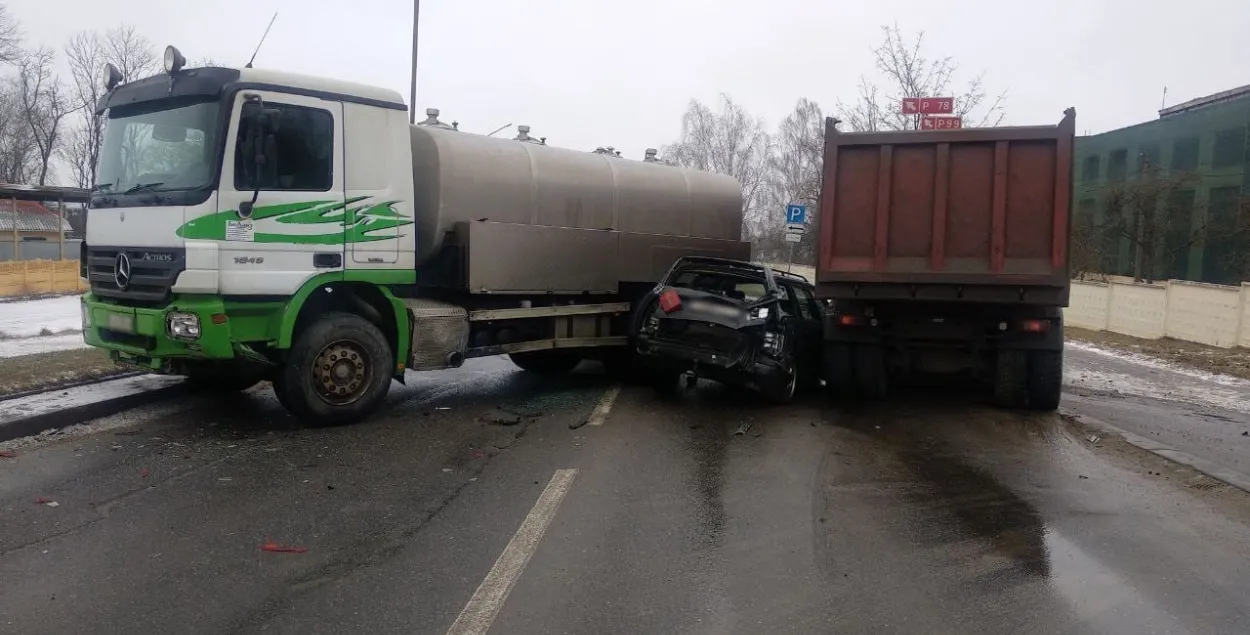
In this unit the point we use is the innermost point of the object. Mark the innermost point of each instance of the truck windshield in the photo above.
(160, 150)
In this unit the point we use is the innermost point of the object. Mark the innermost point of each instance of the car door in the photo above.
(809, 329)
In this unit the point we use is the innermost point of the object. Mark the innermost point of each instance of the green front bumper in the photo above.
(139, 335)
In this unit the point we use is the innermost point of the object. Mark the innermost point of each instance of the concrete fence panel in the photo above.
(1087, 308)
(1204, 313)
(1139, 310)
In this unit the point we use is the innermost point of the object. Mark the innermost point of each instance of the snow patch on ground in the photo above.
(33, 345)
(49, 316)
(1123, 374)
(1155, 363)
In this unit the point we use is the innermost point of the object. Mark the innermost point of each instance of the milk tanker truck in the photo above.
(252, 225)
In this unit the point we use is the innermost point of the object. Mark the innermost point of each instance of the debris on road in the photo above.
(442, 408)
(503, 419)
(8, 454)
(144, 473)
(1093, 438)
(276, 548)
(577, 423)
(742, 429)
(43, 500)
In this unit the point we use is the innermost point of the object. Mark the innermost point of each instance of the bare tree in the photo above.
(908, 72)
(45, 104)
(794, 177)
(87, 53)
(19, 158)
(132, 53)
(1154, 215)
(10, 37)
(731, 142)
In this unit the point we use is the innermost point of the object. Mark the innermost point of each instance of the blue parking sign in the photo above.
(796, 213)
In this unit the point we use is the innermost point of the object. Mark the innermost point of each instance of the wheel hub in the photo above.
(341, 373)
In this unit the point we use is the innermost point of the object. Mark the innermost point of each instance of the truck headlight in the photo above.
(86, 316)
(183, 326)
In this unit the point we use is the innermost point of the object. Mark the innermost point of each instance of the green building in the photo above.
(1198, 232)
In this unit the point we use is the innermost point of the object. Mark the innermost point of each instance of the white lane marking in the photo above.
(479, 614)
(604, 406)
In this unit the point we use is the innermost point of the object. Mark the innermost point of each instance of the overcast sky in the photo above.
(587, 73)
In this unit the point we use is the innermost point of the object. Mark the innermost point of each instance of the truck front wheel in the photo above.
(337, 372)
(546, 362)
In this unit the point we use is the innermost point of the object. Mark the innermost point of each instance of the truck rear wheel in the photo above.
(1045, 370)
(338, 371)
(546, 362)
(1011, 389)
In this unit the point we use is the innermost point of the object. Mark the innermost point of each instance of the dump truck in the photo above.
(944, 252)
(251, 225)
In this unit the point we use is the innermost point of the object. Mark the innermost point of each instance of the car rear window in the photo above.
(728, 285)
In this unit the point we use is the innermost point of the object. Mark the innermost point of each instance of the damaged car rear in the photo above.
(725, 320)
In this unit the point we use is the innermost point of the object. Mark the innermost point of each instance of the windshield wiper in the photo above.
(143, 186)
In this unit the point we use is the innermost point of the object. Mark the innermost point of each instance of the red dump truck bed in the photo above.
(975, 214)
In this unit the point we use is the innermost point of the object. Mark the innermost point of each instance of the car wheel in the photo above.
(782, 390)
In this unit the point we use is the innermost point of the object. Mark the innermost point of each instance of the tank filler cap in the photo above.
(651, 156)
(431, 119)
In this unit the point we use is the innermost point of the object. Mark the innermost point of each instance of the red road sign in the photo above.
(941, 123)
(928, 105)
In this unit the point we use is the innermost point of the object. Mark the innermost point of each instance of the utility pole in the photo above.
(412, 89)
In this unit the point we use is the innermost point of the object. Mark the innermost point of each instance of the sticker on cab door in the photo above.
(240, 231)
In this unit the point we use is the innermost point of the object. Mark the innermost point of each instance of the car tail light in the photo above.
(670, 301)
(1035, 326)
(850, 320)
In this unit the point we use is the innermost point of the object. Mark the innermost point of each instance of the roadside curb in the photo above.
(39, 422)
(1217, 472)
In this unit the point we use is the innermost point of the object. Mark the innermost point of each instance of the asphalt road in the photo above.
(503, 513)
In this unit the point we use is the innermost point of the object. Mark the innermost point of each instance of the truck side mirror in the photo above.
(253, 116)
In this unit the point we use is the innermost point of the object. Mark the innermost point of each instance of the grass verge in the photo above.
(1225, 361)
(43, 371)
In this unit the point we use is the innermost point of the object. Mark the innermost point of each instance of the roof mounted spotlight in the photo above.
(174, 61)
(111, 76)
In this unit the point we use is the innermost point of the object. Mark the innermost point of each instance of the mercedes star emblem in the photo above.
(121, 271)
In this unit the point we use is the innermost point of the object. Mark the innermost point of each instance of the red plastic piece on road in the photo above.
(42, 501)
(8, 454)
(276, 548)
(144, 473)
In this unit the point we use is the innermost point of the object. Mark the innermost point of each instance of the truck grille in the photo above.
(151, 272)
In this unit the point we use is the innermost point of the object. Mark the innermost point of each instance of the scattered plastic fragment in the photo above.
(446, 469)
(477, 454)
(42, 501)
(1093, 438)
(442, 408)
(53, 504)
(144, 473)
(742, 429)
(8, 454)
(276, 548)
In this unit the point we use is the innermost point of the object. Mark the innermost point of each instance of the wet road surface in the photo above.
(1205, 415)
(932, 515)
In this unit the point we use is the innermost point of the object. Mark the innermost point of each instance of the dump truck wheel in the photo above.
(1045, 379)
(546, 362)
(839, 371)
(1011, 379)
(337, 372)
(871, 376)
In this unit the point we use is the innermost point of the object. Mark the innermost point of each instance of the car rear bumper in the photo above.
(744, 364)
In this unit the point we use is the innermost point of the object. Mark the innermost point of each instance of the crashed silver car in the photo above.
(735, 322)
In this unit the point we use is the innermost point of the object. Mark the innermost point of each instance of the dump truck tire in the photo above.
(1011, 379)
(1045, 370)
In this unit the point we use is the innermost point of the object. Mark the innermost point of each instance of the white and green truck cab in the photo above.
(252, 225)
